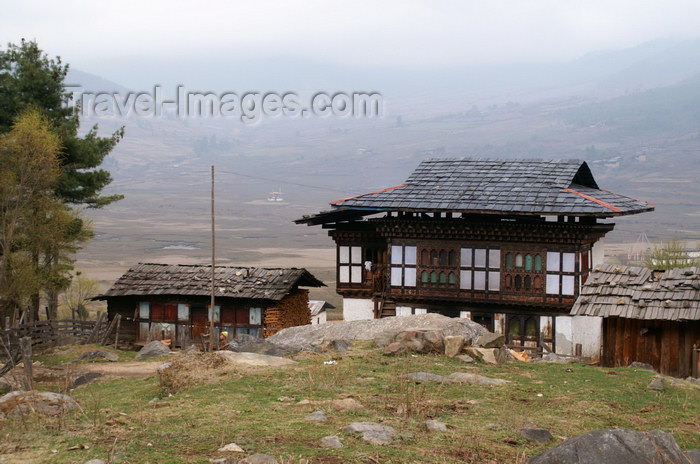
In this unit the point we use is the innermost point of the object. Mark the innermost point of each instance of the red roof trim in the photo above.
(641, 201)
(587, 197)
(370, 193)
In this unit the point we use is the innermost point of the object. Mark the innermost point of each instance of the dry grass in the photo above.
(194, 370)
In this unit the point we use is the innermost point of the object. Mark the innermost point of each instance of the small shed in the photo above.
(172, 302)
(317, 308)
(651, 317)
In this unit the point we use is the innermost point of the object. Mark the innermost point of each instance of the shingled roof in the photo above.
(492, 186)
(194, 280)
(630, 292)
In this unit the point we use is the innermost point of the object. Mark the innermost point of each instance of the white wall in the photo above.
(598, 253)
(404, 310)
(562, 338)
(586, 330)
(319, 318)
(356, 309)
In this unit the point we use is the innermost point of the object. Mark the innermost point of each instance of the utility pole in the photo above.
(212, 338)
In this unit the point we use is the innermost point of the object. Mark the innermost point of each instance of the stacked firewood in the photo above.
(291, 311)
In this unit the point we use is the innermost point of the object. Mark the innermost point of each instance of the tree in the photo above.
(77, 299)
(669, 255)
(30, 79)
(29, 168)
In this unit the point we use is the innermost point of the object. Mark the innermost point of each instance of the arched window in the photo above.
(509, 261)
(443, 258)
(528, 262)
(528, 282)
(443, 277)
(509, 281)
(451, 258)
(452, 278)
(538, 283)
(514, 326)
(434, 258)
(424, 277)
(425, 258)
(518, 282)
(531, 327)
(538, 262)
(433, 277)
(519, 261)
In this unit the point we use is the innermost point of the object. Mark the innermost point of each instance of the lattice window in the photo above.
(403, 266)
(480, 269)
(350, 264)
(561, 273)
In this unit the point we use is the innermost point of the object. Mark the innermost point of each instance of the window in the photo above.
(437, 267)
(349, 264)
(403, 266)
(183, 312)
(479, 269)
(561, 272)
(522, 271)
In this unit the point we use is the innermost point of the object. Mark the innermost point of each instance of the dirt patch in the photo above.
(120, 370)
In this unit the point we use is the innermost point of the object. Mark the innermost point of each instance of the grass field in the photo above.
(120, 423)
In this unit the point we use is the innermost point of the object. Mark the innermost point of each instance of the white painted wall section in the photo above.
(562, 338)
(588, 331)
(404, 310)
(598, 253)
(357, 309)
(320, 318)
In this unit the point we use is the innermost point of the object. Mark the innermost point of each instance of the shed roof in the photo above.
(636, 293)
(195, 280)
(492, 186)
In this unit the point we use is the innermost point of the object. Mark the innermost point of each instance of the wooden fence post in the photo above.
(26, 347)
(116, 335)
(95, 332)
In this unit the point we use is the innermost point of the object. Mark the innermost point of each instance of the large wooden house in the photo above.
(650, 317)
(172, 302)
(507, 243)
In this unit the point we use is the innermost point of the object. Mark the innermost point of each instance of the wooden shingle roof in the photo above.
(635, 293)
(194, 280)
(492, 186)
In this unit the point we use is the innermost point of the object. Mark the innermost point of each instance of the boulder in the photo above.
(420, 377)
(491, 340)
(503, 354)
(465, 358)
(656, 384)
(693, 456)
(99, 355)
(317, 416)
(435, 426)
(694, 380)
(619, 446)
(372, 432)
(381, 330)
(18, 404)
(152, 350)
(331, 441)
(341, 346)
(453, 345)
(641, 365)
(486, 354)
(255, 360)
(231, 448)
(85, 379)
(475, 379)
(537, 435)
(394, 348)
(422, 340)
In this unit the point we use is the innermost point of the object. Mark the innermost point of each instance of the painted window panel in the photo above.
(465, 280)
(494, 259)
(494, 281)
(553, 261)
(528, 262)
(519, 261)
(479, 257)
(170, 312)
(567, 285)
(253, 332)
(144, 310)
(509, 261)
(344, 256)
(538, 262)
(242, 316)
(156, 312)
(568, 262)
(410, 257)
(552, 284)
(396, 254)
(255, 316)
(424, 277)
(183, 312)
(466, 257)
(479, 280)
(344, 274)
(356, 274)
(395, 276)
(410, 277)
(356, 254)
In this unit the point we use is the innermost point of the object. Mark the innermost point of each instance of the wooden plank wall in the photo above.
(293, 310)
(666, 345)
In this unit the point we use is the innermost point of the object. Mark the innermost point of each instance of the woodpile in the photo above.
(293, 310)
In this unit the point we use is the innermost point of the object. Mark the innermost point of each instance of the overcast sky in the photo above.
(101, 37)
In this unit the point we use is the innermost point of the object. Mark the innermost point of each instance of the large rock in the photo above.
(433, 425)
(384, 329)
(372, 432)
(331, 441)
(475, 379)
(453, 345)
(641, 365)
(99, 355)
(619, 446)
(255, 360)
(486, 354)
(656, 384)
(422, 340)
(18, 404)
(503, 354)
(491, 340)
(152, 350)
(537, 435)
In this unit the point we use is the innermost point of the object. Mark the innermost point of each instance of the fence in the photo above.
(45, 334)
